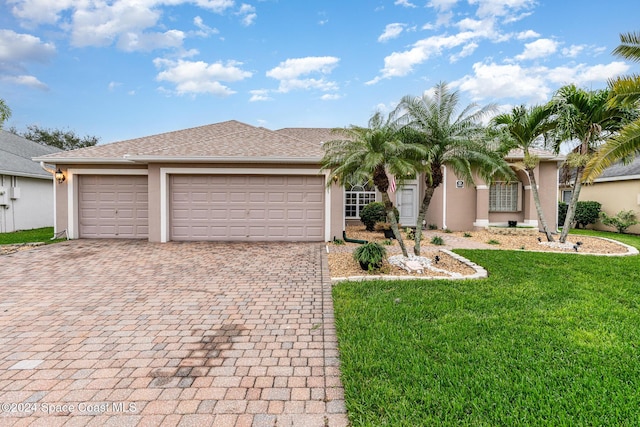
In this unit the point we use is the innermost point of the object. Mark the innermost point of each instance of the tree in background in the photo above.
(625, 91)
(449, 137)
(63, 139)
(5, 112)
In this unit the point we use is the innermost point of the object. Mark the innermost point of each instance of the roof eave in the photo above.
(81, 160)
(25, 174)
(218, 159)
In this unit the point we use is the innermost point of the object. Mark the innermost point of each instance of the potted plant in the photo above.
(370, 255)
(385, 227)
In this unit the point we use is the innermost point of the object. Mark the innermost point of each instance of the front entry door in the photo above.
(407, 204)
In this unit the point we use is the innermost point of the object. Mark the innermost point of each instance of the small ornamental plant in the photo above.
(437, 240)
(370, 256)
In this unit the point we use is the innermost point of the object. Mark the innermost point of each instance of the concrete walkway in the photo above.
(131, 333)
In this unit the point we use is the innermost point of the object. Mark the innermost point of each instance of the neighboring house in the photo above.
(617, 189)
(228, 181)
(26, 190)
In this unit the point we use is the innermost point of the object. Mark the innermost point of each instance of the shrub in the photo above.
(493, 242)
(587, 212)
(433, 226)
(467, 235)
(370, 255)
(374, 212)
(562, 213)
(437, 240)
(622, 220)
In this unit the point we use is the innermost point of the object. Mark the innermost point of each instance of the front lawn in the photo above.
(548, 340)
(28, 236)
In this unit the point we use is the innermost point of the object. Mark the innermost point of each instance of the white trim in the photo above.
(531, 222)
(530, 187)
(484, 223)
(72, 193)
(482, 187)
(444, 197)
(617, 178)
(164, 189)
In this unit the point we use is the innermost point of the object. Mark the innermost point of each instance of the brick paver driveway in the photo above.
(136, 333)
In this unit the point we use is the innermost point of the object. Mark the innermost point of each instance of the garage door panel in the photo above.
(113, 206)
(248, 208)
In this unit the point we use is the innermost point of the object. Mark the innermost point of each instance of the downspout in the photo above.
(444, 197)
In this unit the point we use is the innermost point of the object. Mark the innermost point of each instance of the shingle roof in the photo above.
(16, 153)
(620, 170)
(231, 140)
(318, 135)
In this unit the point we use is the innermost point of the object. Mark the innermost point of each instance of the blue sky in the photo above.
(120, 69)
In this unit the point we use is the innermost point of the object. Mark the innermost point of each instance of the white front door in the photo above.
(406, 199)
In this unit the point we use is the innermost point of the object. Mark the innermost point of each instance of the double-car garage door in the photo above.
(246, 207)
(206, 207)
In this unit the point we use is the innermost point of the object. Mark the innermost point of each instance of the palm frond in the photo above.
(629, 47)
(622, 146)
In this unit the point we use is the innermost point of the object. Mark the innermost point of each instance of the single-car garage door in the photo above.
(113, 206)
(247, 207)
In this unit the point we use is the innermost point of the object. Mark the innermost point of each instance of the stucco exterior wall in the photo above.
(32, 209)
(615, 196)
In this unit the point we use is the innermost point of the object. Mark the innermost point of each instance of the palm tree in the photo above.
(524, 128)
(625, 91)
(371, 153)
(585, 117)
(449, 138)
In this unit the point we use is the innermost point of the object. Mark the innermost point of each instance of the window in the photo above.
(566, 196)
(504, 197)
(357, 197)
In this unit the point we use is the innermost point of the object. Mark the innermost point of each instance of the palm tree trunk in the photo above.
(571, 210)
(391, 217)
(426, 201)
(536, 199)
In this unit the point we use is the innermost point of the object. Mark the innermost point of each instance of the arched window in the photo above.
(356, 197)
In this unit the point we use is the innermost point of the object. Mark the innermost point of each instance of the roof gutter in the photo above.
(80, 160)
(24, 175)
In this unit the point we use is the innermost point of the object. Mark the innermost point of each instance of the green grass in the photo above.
(29, 236)
(547, 340)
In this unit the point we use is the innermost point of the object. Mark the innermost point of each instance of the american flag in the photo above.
(392, 184)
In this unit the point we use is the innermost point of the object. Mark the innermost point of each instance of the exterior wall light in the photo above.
(59, 176)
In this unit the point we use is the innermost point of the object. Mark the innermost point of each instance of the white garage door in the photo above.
(247, 207)
(113, 206)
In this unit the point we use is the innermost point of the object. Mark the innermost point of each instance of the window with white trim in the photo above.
(357, 197)
(505, 197)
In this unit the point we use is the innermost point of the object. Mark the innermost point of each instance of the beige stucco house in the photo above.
(235, 182)
(617, 189)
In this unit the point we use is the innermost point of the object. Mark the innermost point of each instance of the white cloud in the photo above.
(113, 85)
(442, 5)
(467, 50)
(248, 14)
(405, 3)
(19, 48)
(330, 97)
(126, 23)
(399, 64)
(391, 31)
(259, 95)
(197, 77)
(205, 30)
(292, 68)
(535, 84)
(505, 81)
(538, 49)
(529, 34)
(501, 7)
(291, 71)
(146, 42)
(24, 80)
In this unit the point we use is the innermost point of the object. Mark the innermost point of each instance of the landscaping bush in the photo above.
(370, 255)
(562, 213)
(587, 212)
(374, 212)
(622, 221)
